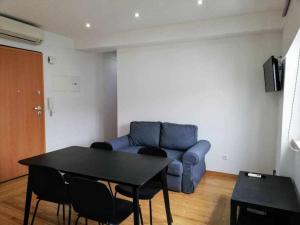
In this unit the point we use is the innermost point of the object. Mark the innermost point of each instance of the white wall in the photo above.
(288, 162)
(110, 94)
(78, 117)
(215, 84)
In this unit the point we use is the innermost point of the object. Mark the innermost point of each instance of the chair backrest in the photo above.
(91, 199)
(48, 184)
(153, 151)
(101, 145)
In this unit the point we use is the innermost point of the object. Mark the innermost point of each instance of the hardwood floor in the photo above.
(209, 205)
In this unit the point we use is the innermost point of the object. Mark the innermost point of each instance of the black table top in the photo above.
(273, 192)
(119, 167)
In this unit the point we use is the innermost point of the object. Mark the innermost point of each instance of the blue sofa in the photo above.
(180, 143)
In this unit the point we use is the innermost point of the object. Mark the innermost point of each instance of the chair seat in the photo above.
(62, 200)
(123, 209)
(147, 191)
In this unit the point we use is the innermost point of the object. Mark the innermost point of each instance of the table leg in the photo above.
(233, 213)
(136, 205)
(166, 196)
(28, 201)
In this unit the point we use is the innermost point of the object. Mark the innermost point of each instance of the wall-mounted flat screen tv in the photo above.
(272, 75)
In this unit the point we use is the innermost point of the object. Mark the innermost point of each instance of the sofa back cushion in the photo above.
(145, 133)
(178, 136)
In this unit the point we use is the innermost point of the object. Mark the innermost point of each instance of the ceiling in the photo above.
(68, 17)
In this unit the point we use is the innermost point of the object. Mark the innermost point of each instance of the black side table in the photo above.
(274, 195)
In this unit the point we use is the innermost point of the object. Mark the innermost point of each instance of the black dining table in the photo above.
(112, 166)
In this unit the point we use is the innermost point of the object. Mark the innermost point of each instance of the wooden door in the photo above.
(22, 129)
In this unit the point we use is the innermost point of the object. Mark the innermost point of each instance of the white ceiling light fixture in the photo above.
(137, 15)
(200, 2)
(88, 25)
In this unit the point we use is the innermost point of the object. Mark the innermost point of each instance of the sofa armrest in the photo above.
(120, 142)
(196, 153)
(194, 165)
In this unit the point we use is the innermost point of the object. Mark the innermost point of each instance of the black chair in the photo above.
(49, 185)
(92, 200)
(101, 145)
(151, 188)
(95, 145)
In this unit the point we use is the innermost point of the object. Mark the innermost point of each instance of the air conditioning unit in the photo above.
(16, 30)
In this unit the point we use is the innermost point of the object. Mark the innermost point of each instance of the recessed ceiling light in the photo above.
(136, 14)
(88, 25)
(200, 2)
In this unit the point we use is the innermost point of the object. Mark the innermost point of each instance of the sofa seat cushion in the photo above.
(145, 133)
(175, 168)
(178, 136)
(131, 149)
(173, 154)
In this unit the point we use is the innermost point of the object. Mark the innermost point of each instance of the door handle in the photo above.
(38, 108)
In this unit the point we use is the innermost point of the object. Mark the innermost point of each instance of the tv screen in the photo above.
(272, 75)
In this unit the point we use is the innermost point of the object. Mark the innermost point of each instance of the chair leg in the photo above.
(110, 188)
(78, 217)
(64, 212)
(70, 210)
(58, 206)
(86, 221)
(35, 210)
(150, 208)
(141, 215)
